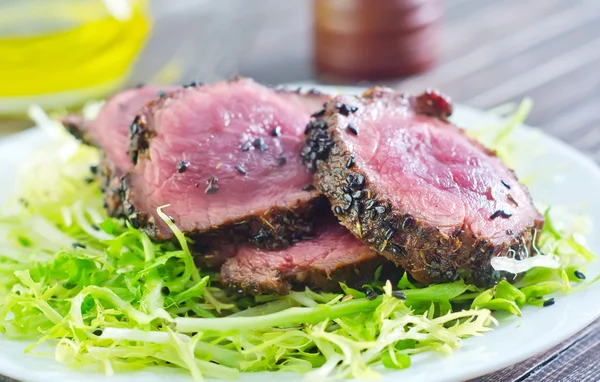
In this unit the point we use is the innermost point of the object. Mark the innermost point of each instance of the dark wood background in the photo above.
(493, 52)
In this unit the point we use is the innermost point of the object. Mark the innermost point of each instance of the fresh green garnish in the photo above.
(108, 297)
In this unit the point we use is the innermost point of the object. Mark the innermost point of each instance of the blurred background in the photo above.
(61, 53)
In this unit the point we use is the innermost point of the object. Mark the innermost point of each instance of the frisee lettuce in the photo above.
(109, 298)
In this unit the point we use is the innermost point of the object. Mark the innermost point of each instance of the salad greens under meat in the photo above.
(109, 298)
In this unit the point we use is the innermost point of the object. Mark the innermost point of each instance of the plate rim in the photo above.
(471, 371)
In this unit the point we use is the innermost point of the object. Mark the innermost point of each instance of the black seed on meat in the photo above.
(281, 161)
(358, 181)
(342, 108)
(370, 204)
(549, 302)
(346, 189)
(358, 207)
(389, 233)
(240, 169)
(370, 294)
(246, 146)
(261, 236)
(276, 131)
(347, 206)
(579, 275)
(260, 144)
(505, 184)
(384, 225)
(410, 221)
(212, 187)
(318, 114)
(182, 166)
(501, 213)
(380, 209)
(338, 210)
(134, 223)
(396, 250)
(509, 232)
(372, 214)
(348, 198)
(353, 109)
(197, 185)
(134, 157)
(349, 179)
(353, 129)
(308, 187)
(134, 128)
(399, 295)
(350, 161)
(77, 245)
(161, 94)
(358, 194)
(171, 218)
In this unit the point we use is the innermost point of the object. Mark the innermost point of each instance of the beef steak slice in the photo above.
(333, 256)
(225, 158)
(416, 188)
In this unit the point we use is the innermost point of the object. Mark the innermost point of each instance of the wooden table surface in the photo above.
(494, 52)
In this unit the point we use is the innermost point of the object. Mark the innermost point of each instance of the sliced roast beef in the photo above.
(416, 188)
(225, 158)
(333, 256)
(110, 133)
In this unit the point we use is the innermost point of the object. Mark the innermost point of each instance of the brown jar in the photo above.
(375, 39)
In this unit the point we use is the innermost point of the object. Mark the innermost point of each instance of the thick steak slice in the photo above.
(333, 256)
(418, 189)
(225, 158)
(110, 133)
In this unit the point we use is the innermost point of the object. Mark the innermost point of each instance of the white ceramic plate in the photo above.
(563, 177)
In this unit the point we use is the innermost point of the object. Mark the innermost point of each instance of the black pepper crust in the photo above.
(277, 227)
(111, 186)
(428, 254)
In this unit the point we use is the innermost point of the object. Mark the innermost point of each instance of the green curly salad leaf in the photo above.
(108, 298)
